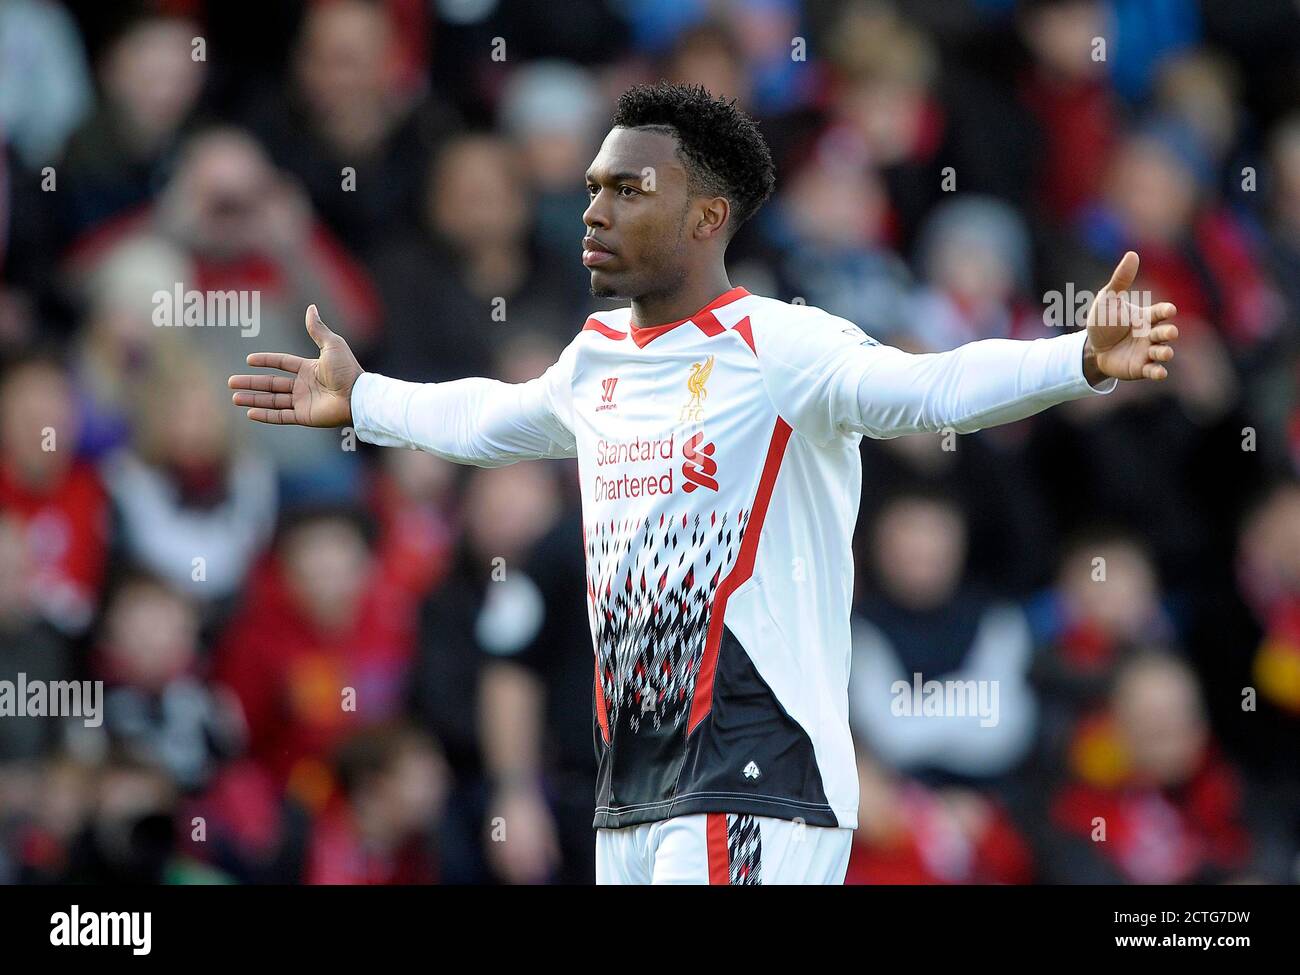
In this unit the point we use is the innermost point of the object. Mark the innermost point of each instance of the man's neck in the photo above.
(652, 310)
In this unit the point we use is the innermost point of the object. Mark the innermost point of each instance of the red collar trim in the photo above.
(643, 336)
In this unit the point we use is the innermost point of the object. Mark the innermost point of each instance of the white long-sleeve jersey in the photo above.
(720, 474)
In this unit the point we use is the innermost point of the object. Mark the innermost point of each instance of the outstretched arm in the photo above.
(994, 381)
(981, 384)
(471, 421)
(483, 422)
(840, 381)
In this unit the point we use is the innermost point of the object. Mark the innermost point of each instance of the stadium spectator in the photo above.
(119, 159)
(250, 236)
(1246, 637)
(57, 500)
(471, 274)
(349, 126)
(827, 229)
(924, 625)
(381, 828)
(974, 253)
(486, 607)
(1106, 604)
(44, 824)
(1158, 198)
(321, 646)
(884, 108)
(156, 707)
(115, 350)
(44, 93)
(912, 834)
(412, 498)
(551, 112)
(1073, 104)
(192, 505)
(1169, 805)
(28, 646)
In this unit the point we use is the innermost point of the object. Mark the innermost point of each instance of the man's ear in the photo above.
(713, 218)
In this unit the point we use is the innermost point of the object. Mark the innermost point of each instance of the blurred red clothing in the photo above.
(929, 849)
(338, 855)
(290, 677)
(1213, 270)
(323, 259)
(415, 540)
(1225, 284)
(1160, 835)
(66, 533)
(1079, 124)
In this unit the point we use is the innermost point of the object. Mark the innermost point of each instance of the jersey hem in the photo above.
(773, 807)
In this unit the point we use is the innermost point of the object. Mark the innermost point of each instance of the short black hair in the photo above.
(721, 147)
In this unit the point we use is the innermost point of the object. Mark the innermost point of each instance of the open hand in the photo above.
(1127, 340)
(315, 393)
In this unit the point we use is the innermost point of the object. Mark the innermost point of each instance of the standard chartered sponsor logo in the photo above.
(634, 451)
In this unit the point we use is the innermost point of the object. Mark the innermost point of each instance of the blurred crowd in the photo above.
(327, 663)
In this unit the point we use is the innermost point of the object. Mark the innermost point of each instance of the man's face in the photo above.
(636, 221)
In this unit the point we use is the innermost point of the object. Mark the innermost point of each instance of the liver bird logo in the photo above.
(699, 376)
(694, 410)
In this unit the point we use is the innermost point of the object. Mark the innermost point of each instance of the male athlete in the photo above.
(717, 437)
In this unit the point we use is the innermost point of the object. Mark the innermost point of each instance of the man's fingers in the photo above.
(272, 416)
(1160, 354)
(317, 329)
(276, 401)
(1125, 272)
(1154, 371)
(276, 360)
(1160, 312)
(1163, 333)
(264, 384)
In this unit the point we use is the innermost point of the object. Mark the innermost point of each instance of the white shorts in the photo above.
(722, 848)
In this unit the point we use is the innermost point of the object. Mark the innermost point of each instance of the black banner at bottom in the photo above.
(334, 924)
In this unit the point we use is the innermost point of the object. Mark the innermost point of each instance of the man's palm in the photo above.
(319, 394)
(1131, 341)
